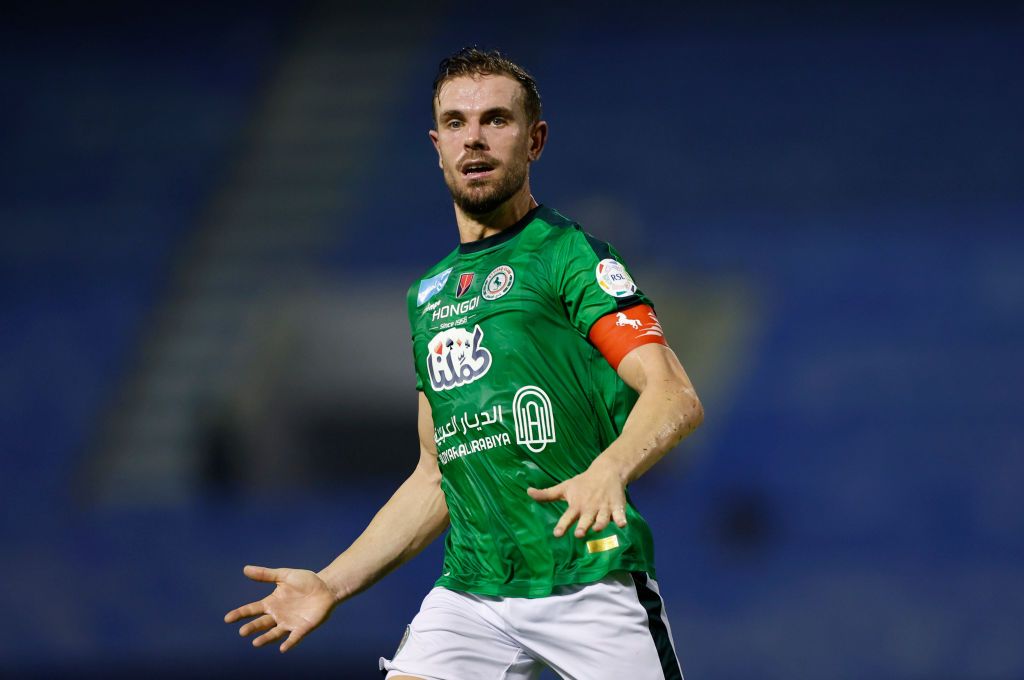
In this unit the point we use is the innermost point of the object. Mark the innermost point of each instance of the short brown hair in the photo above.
(472, 61)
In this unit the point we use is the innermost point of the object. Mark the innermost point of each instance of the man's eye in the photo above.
(454, 124)
(498, 120)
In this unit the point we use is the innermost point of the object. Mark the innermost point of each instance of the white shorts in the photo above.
(612, 629)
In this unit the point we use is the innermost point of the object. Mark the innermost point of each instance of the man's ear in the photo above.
(538, 138)
(433, 138)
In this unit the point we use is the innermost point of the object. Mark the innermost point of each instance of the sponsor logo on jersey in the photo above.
(491, 441)
(477, 423)
(614, 279)
(433, 305)
(465, 281)
(456, 357)
(534, 418)
(432, 286)
(444, 311)
(498, 282)
(650, 326)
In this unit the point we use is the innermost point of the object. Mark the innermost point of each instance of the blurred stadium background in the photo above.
(210, 214)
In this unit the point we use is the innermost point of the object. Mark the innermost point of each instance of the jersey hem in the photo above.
(531, 589)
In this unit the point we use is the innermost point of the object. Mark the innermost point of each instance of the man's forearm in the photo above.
(414, 516)
(665, 413)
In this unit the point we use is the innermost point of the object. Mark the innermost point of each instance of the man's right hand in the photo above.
(300, 602)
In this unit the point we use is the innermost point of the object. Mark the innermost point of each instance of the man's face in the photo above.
(483, 140)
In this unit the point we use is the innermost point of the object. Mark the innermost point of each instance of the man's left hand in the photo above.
(594, 497)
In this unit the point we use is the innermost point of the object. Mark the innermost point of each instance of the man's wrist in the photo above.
(339, 589)
(608, 463)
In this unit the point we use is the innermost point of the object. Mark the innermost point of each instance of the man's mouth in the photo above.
(477, 169)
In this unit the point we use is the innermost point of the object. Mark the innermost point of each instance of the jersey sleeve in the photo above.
(415, 367)
(411, 309)
(592, 281)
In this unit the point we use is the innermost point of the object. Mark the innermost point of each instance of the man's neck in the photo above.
(476, 227)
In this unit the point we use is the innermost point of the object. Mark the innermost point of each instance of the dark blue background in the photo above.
(854, 512)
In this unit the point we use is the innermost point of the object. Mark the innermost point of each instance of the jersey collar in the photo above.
(501, 237)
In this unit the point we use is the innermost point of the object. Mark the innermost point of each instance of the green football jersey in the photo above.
(520, 398)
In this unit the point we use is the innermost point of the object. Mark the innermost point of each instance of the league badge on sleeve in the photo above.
(614, 279)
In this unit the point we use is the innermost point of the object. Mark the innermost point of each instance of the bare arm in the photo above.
(414, 516)
(303, 600)
(666, 411)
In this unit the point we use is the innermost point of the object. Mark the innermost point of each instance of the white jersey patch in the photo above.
(498, 282)
(614, 279)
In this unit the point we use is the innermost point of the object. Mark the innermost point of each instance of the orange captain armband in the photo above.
(619, 333)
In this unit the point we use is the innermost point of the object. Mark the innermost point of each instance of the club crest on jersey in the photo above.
(456, 357)
(614, 279)
(432, 286)
(535, 420)
(465, 281)
(498, 282)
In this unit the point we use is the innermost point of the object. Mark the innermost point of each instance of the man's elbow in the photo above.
(696, 412)
(690, 413)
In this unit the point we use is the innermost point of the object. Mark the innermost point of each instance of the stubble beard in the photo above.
(486, 198)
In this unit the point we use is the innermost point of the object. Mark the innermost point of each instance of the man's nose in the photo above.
(475, 137)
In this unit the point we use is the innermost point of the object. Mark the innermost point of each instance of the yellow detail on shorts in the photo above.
(602, 544)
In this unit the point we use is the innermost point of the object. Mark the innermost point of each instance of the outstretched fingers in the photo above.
(294, 638)
(552, 493)
(603, 516)
(263, 623)
(265, 574)
(275, 633)
(619, 516)
(244, 612)
(565, 521)
(589, 519)
(586, 520)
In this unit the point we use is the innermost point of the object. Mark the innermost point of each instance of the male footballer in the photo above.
(546, 387)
